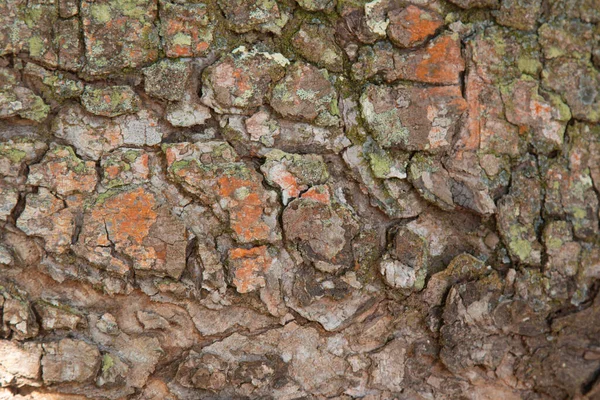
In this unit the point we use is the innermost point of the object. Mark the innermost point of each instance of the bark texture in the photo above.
(299, 199)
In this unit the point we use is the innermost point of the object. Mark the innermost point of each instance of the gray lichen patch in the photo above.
(111, 101)
(305, 93)
(167, 79)
(239, 82)
(412, 118)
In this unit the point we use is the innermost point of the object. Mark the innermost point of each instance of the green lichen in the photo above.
(14, 155)
(74, 163)
(114, 183)
(60, 88)
(564, 112)
(553, 52)
(181, 165)
(553, 243)
(102, 197)
(100, 12)
(334, 108)
(36, 46)
(521, 248)
(529, 66)
(305, 94)
(131, 155)
(182, 39)
(33, 15)
(121, 100)
(385, 126)
(38, 110)
(579, 213)
(107, 362)
(381, 164)
(132, 8)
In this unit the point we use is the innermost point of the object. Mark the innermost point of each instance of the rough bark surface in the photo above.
(299, 199)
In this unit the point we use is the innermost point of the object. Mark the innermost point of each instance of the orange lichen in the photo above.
(191, 22)
(64, 173)
(245, 208)
(179, 50)
(129, 215)
(288, 183)
(202, 46)
(124, 220)
(318, 193)
(248, 266)
(242, 80)
(69, 181)
(540, 110)
(112, 171)
(441, 61)
(474, 87)
(171, 154)
(419, 27)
